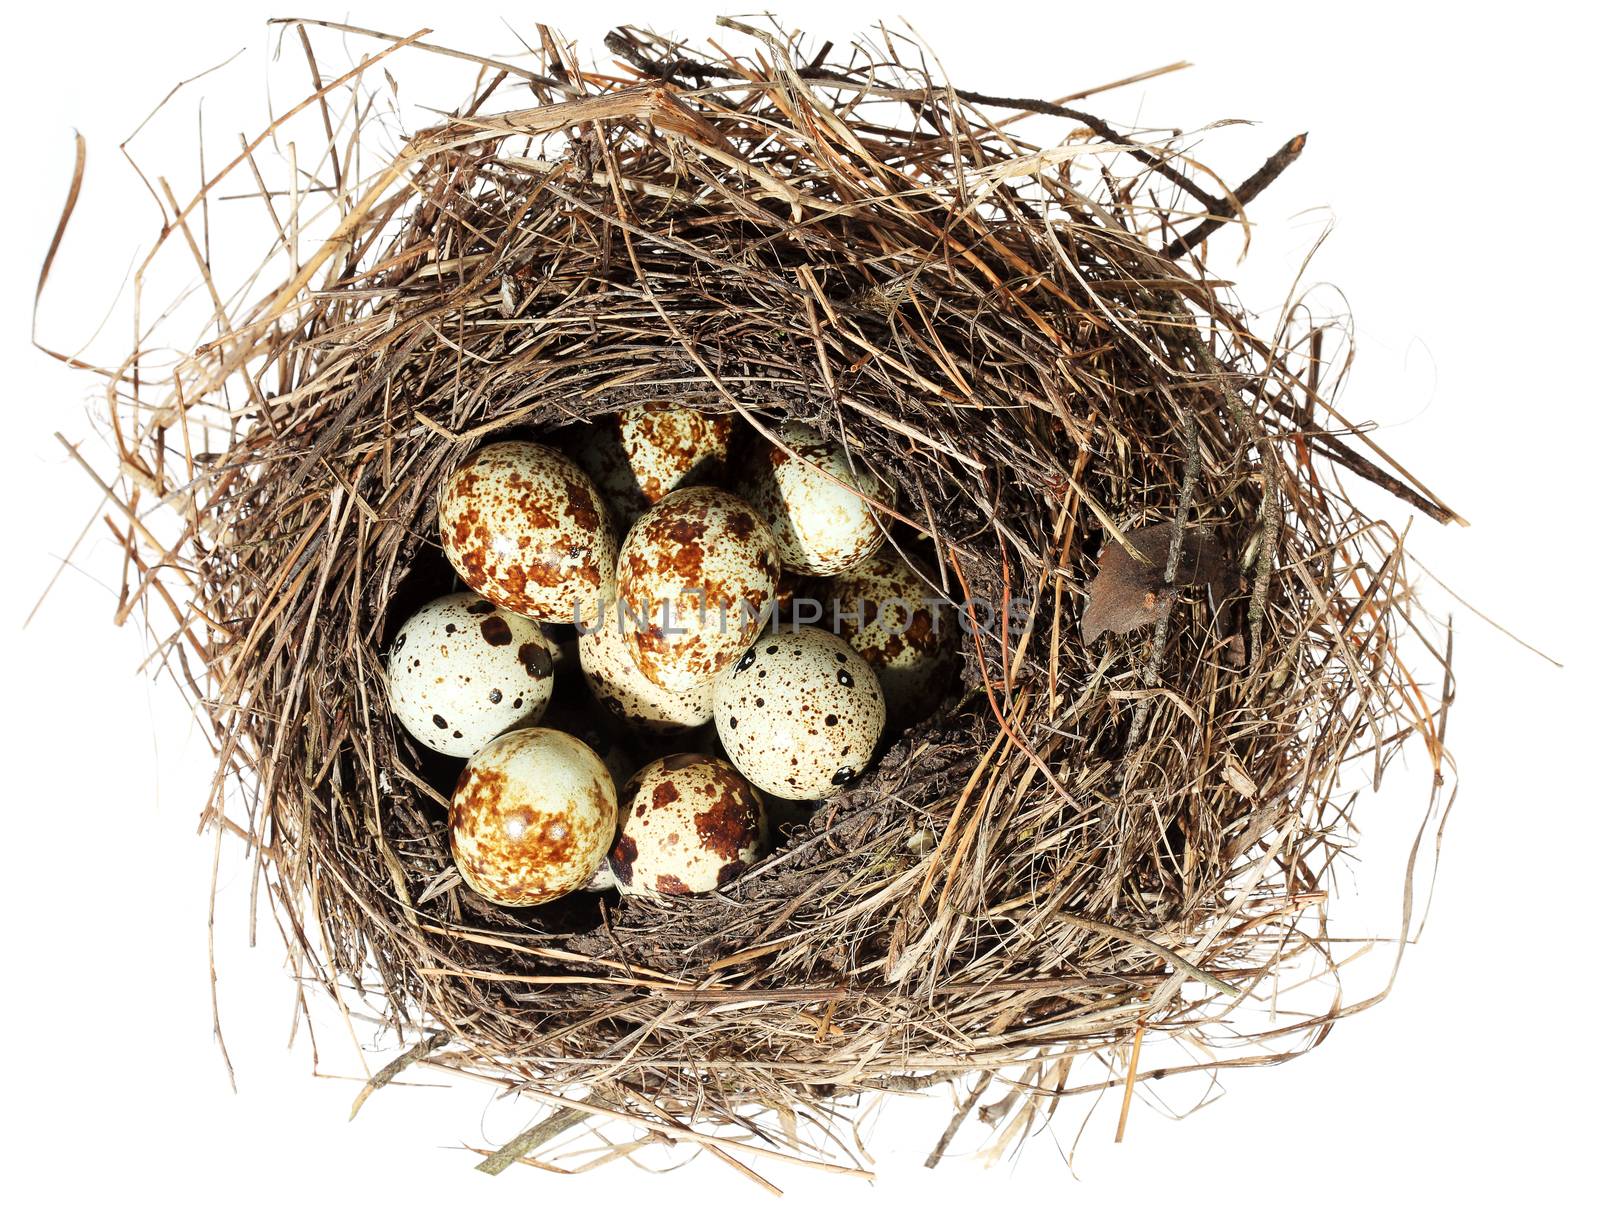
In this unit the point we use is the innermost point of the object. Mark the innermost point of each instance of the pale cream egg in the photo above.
(816, 500)
(893, 617)
(627, 693)
(800, 713)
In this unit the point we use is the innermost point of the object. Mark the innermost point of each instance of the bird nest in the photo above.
(1125, 819)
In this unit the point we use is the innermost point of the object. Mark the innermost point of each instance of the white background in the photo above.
(1453, 154)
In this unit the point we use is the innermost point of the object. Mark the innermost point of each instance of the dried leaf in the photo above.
(1125, 595)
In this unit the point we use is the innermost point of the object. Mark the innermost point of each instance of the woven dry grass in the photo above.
(1093, 842)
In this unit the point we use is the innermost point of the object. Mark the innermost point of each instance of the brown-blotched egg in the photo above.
(462, 671)
(625, 690)
(800, 713)
(688, 824)
(887, 612)
(643, 453)
(821, 528)
(695, 579)
(526, 528)
(532, 817)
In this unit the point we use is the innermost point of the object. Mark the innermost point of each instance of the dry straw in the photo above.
(1101, 843)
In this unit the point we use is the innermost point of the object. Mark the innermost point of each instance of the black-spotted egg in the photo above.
(462, 671)
(800, 713)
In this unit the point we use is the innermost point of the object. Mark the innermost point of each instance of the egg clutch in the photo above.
(653, 553)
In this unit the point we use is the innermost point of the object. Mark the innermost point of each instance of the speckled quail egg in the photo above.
(800, 713)
(688, 824)
(642, 454)
(821, 528)
(532, 817)
(626, 692)
(526, 528)
(889, 613)
(462, 671)
(695, 579)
